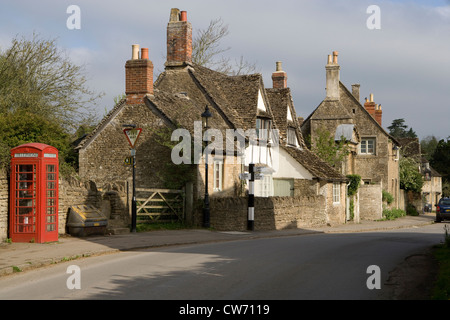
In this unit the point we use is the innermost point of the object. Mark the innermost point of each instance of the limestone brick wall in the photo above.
(272, 213)
(110, 199)
(335, 210)
(102, 161)
(4, 202)
(370, 202)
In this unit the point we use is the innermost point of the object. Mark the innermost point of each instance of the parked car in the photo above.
(443, 209)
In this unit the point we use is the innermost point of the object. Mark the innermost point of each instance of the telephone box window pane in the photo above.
(51, 168)
(51, 176)
(51, 185)
(25, 168)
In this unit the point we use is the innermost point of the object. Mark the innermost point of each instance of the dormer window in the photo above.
(292, 137)
(266, 125)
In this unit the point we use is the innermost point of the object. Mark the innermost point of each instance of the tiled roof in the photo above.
(318, 168)
(180, 96)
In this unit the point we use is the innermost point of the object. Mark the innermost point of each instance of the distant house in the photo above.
(374, 153)
(432, 180)
(238, 104)
(432, 185)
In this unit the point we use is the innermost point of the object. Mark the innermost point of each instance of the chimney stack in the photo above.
(373, 109)
(355, 91)
(279, 77)
(138, 76)
(332, 75)
(179, 39)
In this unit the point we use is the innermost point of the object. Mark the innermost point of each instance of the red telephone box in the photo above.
(34, 193)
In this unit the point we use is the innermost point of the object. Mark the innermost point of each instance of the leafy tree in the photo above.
(428, 145)
(329, 150)
(23, 127)
(38, 78)
(440, 161)
(399, 129)
(43, 98)
(410, 177)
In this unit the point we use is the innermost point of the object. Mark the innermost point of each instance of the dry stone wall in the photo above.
(4, 195)
(272, 213)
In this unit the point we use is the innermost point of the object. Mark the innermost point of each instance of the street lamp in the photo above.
(206, 213)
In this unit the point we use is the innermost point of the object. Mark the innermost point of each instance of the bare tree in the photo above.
(207, 50)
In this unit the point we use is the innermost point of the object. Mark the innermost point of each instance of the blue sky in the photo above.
(405, 64)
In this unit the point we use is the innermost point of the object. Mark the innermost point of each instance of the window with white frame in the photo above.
(367, 146)
(336, 192)
(218, 175)
(266, 125)
(291, 137)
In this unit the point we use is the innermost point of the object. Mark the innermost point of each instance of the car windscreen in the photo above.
(445, 202)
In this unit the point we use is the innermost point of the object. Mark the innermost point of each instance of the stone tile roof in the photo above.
(181, 94)
(318, 168)
(280, 100)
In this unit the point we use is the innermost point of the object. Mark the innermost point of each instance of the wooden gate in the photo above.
(159, 205)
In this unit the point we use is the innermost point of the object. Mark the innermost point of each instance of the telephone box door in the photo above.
(34, 193)
(23, 218)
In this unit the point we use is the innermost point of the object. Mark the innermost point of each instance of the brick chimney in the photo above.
(332, 74)
(378, 113)
(179, 39)
(138, 76)
(373, 109)
(279, 77)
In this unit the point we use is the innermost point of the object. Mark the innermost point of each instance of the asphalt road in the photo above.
(317, 266)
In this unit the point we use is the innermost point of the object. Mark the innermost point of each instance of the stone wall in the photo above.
(111, 199)
(370, 202)
(102, 160)
(271, 213)
(4, 202)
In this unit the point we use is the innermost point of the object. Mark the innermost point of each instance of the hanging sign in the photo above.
(132, 135)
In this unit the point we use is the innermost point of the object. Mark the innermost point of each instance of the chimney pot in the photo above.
(135, 52)
(371, 97)
(183, 15)
(329, 59)
(144, 53)
(278, 66)
(335, 55)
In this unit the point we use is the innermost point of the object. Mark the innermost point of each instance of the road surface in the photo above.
(317, 266)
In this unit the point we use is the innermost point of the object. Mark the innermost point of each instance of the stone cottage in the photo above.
(259, 124)
(374, 153)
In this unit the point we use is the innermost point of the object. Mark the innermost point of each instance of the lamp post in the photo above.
(206, 212)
